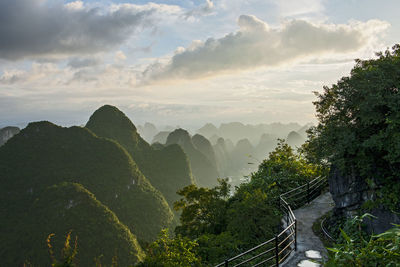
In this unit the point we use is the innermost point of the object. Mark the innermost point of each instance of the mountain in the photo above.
(294, 139)
(230, 146)
(241, 154)
(204, 171)
(44, 154)
(205, 147)
(236, 131)
(166, 168)
(59, 209)
(161, 137)
(223, 157)
(147, 131)
(267, 144)
(208, 130)
(303, 130)
(6, 133)
(214, 139)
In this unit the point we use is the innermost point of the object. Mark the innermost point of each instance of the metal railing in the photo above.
(276, 250)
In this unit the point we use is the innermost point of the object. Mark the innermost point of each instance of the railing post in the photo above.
(295, 234)
(277, 250)
(226, 263)
(308, 192)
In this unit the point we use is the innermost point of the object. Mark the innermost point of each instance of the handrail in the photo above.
(326, 231)
(289, 233)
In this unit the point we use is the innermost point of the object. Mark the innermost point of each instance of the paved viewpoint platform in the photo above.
(309, 246)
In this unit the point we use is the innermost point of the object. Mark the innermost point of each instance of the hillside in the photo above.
(59, 209)
(205, 147)
(44, 154)
(166, 168)
(204, 171)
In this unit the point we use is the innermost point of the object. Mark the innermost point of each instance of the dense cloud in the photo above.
(35, 28)
(257, 44)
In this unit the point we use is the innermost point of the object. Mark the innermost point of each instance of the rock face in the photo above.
(350, 192)
(6, 133)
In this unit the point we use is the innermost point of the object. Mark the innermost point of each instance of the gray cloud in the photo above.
(37, 28)
(256, 44)
(77, 63)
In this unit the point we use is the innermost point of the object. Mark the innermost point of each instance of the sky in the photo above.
(182, 62)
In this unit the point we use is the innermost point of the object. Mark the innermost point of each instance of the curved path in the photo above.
(308, 244)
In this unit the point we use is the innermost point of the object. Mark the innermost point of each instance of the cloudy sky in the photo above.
(182, 62)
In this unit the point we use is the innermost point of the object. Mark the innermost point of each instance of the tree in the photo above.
(203, 209)
(170, 252)
(359, 123)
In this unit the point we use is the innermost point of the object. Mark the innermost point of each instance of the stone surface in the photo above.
(350, 192)
(6, 133)
(306, 239)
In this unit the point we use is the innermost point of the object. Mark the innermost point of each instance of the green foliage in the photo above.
(43, 155)
(225, 225)
(58, 209)
(203, 209)
(356, 248)
(284, 170)
(213, 249)
(171, 252)
(167, 168)
(252, 216)
(359, 124)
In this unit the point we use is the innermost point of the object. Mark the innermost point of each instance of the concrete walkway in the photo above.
(309, 246)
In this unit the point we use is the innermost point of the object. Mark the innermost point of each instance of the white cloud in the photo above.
(256, 44)
(76, 5)
(203, 10)
(120, 56)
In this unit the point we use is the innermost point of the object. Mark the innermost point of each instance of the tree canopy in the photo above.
(359, 123)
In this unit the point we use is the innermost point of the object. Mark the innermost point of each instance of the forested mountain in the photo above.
(205, 147)
(204, 171)
(44, 155)
(59, 209)
(167, 168)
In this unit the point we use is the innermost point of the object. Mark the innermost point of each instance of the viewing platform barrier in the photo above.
(276, 250)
